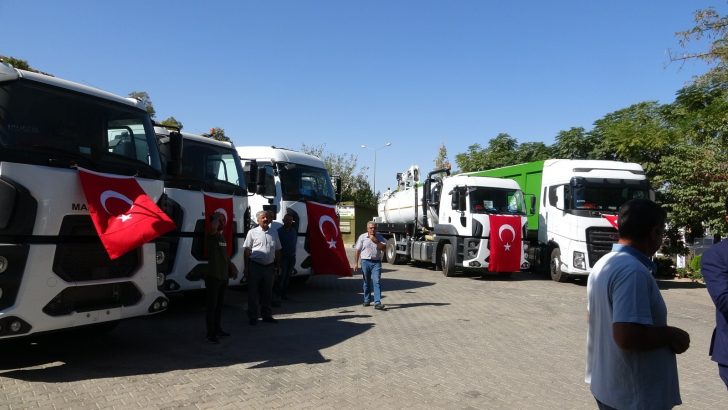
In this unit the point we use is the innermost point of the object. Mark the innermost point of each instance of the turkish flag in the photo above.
(505, 243)
(328, 255)
(124, 216)
(612, 220)
(224, 205)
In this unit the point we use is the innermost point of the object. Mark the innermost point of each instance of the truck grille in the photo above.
(599, 242)
(80, 257)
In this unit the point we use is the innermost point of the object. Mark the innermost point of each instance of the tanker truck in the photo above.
(577, 202)
(462, 221)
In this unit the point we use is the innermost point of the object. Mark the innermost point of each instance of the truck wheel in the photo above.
(555, 267)
(391, 253)
(448, 260)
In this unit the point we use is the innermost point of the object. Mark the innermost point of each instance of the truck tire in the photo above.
(391, 253)
(448, 260)
(555, 267)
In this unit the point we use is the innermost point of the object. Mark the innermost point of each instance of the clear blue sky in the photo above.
(345, 73)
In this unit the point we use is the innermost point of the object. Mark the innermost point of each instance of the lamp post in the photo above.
(374, 179)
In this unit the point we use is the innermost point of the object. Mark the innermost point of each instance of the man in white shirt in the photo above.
(631, 350)
(262, 250)
(369, 250)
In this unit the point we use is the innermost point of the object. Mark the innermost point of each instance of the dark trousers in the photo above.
(215, 297)
(260, 291)
(723, 372)
(288, 262)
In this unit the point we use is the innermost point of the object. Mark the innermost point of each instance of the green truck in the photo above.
(570, 228)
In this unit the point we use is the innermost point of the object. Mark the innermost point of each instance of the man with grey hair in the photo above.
(261, 251)
(369, 249)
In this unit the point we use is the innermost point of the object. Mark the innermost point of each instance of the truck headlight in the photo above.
(579, 260)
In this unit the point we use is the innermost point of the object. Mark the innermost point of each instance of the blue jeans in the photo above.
(372, 272)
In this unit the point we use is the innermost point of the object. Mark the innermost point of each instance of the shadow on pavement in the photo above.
(175, 339)
(667, 284)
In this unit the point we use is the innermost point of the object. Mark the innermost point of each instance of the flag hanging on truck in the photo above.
(505, 243)
(224, 205)
(612, 220)
(328, 255)
(125, 217)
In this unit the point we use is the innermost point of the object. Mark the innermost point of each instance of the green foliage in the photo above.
(695, 263)
(172, 122)
(143, 96)
(20, 64)
(354, 184)
(441, 160)
(503, 150)
(575, 143)
(217, 134)
(665, 267)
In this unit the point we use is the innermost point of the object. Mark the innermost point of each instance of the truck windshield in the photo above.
(599, 194)
(496, 200)
(45, 125)
(302, 183)
(210, 167)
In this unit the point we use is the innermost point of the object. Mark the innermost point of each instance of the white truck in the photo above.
(205, 168)
(287, 180)
(54, 272)
(446, 220)
(575, 200)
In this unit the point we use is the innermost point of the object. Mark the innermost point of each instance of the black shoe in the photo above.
(252, 322)
(367, 304)
(270, 320)
(380, 306)
(222, 333)
(213, 340)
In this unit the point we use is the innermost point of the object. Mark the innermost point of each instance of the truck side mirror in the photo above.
(532, 211)
(261, 181)
(174, 161)
(252, 174)
(454, 199)
(337, 182)
(560, 198)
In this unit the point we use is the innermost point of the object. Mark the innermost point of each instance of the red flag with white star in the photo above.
(224, 205)
(505, 243)
(328, 255)
(124, 216)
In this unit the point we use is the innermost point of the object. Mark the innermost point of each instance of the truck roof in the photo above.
(587, 165)
(9, 73)
(483, 181)
(278, 154)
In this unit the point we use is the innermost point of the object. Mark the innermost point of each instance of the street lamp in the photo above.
(375, 164)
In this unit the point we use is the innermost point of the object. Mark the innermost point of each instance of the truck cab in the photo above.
(288, 179)
(204, 168)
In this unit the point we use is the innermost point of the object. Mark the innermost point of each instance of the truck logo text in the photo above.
(79, 207)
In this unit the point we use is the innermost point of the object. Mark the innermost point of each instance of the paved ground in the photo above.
(463, 342)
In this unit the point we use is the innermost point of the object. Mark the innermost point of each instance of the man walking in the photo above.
(631, 350)
(288, 236)
(261, 251)
(369, 247)
(715, 272)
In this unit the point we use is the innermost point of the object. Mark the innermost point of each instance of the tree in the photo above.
(532, 151)
(20, 64)
(441, 160)
(503, 150)
(714, 27)
(172, 122)
(217, 134)
(144, 97)
(574, 143)
(354, 184)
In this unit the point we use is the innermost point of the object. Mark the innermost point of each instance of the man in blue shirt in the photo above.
(288, 236)
(631, 350)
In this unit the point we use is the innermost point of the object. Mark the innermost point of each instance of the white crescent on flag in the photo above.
(506, 227)
(106, 195)
(223, 212)
(322, 221)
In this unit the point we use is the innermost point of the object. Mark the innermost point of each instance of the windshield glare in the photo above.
(302, 182)
(607, 197)
(496, 200)
(210, 163)
(41, 124)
